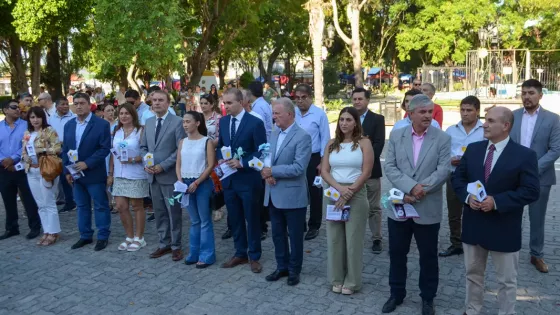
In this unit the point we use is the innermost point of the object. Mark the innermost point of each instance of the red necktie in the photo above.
(488, 162)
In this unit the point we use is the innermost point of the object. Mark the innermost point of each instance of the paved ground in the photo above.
(57, 280)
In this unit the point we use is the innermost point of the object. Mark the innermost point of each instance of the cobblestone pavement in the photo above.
(58, 280)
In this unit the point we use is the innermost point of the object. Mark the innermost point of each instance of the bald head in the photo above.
(498, 124)
(505, 114)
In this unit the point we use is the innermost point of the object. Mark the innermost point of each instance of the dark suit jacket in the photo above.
(249, 136)
(95, 145)
(374, 127)
(513, 183)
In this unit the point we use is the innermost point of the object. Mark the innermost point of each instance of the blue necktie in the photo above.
(233, 120)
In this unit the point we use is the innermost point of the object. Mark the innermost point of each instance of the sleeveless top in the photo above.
(193, 157)
(346, 165)
(132, 145)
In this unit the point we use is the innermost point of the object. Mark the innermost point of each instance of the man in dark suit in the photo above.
(373, 126)
(493, 225)
(286, 190)
(90, 136)
(240, 130)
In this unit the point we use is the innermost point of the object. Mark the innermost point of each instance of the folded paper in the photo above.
(226, 153)
(256, 164)
(396, 196)
(318, 182)
(73, 156)
(180, 187)
(148, 160)
(477, 190)
(332, 194)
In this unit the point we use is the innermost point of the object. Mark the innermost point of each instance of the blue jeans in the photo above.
(84, 194)
(182, 109)
(201, 233)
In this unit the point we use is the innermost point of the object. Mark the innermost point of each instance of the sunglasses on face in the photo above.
(417, 84)
(14, 107)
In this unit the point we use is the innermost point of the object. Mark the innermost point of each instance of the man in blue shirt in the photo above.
(313, 120)
(261, 106)
(465, 132)
(12, 174)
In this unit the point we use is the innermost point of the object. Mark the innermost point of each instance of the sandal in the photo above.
(337, 288)
(124, 245)
(114, 210)
(42, 239)
(136, 244)
(347, 291)
(51, 240)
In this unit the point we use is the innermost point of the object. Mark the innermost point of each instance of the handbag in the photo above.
(217, 198)
(50, 167)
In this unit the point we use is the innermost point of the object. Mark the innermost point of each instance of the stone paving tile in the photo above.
(58, 280)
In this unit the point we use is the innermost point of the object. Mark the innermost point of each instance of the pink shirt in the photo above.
(417, 144)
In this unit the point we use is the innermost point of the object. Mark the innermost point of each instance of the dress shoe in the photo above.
(202, 266)
(235, 261)
(377, 247)
(293, 280)
(539, 264)
(100, 245)
(151, 218)
(33, 234)
(227, 234)
(81, 243)
(277, 275)
(256, 267)
(428, 307)
(451, 251)
(188, 263)
(177, 255)
(311, 234)
(160, 252)
(8, 234)
(391, 305)
(263, 236)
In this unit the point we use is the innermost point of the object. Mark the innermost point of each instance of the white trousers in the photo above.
(506, 265)
(44, 194)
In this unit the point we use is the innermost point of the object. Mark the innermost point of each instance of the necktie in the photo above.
(158, 128)
(488, 162)
(233, 120)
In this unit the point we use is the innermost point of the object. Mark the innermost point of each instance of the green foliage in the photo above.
(335, 105)
(246, 79)
(457, 86)
(330, 79)
(385, 89)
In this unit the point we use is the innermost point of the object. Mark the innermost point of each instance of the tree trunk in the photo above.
(222, 70)
(270, 62)
(36, 69)
(123, 77)
(65, 70)
(353, 12)
(131, 76)
(17, 67)
(316, 28)
(53, 73)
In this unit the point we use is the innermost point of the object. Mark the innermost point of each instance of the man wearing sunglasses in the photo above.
(416, 84)
(13, 177)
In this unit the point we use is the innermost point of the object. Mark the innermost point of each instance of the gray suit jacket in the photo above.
(289, 168)
(545, 142)
(165, 149)
(432, 169)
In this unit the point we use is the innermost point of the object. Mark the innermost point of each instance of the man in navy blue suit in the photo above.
(242, 189)
(510, 175)
(91, 138)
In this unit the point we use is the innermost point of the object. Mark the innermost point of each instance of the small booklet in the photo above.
(223, 170)
(404, 211)
(75, 173)
(318, 182)
(19, 166)
(334, 214)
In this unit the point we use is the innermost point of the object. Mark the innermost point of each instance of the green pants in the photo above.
(345, 243)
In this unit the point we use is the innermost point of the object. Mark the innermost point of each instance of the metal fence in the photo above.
(445, 79)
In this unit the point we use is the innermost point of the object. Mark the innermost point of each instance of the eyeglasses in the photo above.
(14, 107)
(417, 84)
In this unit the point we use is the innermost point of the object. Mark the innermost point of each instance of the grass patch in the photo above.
(332, 116)
(449, 103)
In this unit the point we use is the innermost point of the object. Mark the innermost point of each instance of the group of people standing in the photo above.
(301, 161)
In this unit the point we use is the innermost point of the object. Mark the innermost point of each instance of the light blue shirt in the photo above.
(362, 117)
(80, 128)
(282, 136)
(316, 123)
(460, 138)
(58, 122)
(142, 108)
(261, 107)
(10, 140)
(149, 114)
(405, 122)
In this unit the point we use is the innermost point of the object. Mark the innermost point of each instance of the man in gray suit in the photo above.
(420, 172)
(161, 137)
(538, 129)
(286, 190)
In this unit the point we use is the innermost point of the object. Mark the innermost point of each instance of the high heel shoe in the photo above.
(51, 240)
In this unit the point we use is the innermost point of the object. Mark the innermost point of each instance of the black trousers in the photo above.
(426, 236)
(10, 183)
(315, 194)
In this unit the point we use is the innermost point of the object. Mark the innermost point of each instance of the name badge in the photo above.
(30, 150)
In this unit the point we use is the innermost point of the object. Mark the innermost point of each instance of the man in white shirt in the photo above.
(121, 98)
(467, 131)
(261, 106)
(45, 101)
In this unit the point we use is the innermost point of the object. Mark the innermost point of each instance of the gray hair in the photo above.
(419, 101)
(287, 104)
(432, 87)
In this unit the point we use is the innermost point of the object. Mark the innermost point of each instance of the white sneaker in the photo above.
(136, 244)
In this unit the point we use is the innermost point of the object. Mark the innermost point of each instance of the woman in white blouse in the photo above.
(195, 160)
(346, 166)
(128, 178)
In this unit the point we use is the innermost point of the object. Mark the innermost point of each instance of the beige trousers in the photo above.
(373, 186)
(506, 265)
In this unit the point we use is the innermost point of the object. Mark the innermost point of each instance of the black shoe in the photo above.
(202, 266)
(313, 233)
(100, 245)
(60, 203)
(377, 247)
(67, 209)
(8, 234)
(293, 280)
(227, 234)
(451, 251)
(33, 234)
(188, 263)
(151, 218)
(263, 236)
(428, 307)
(277, 275)
(391, 305)
(81, 243)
